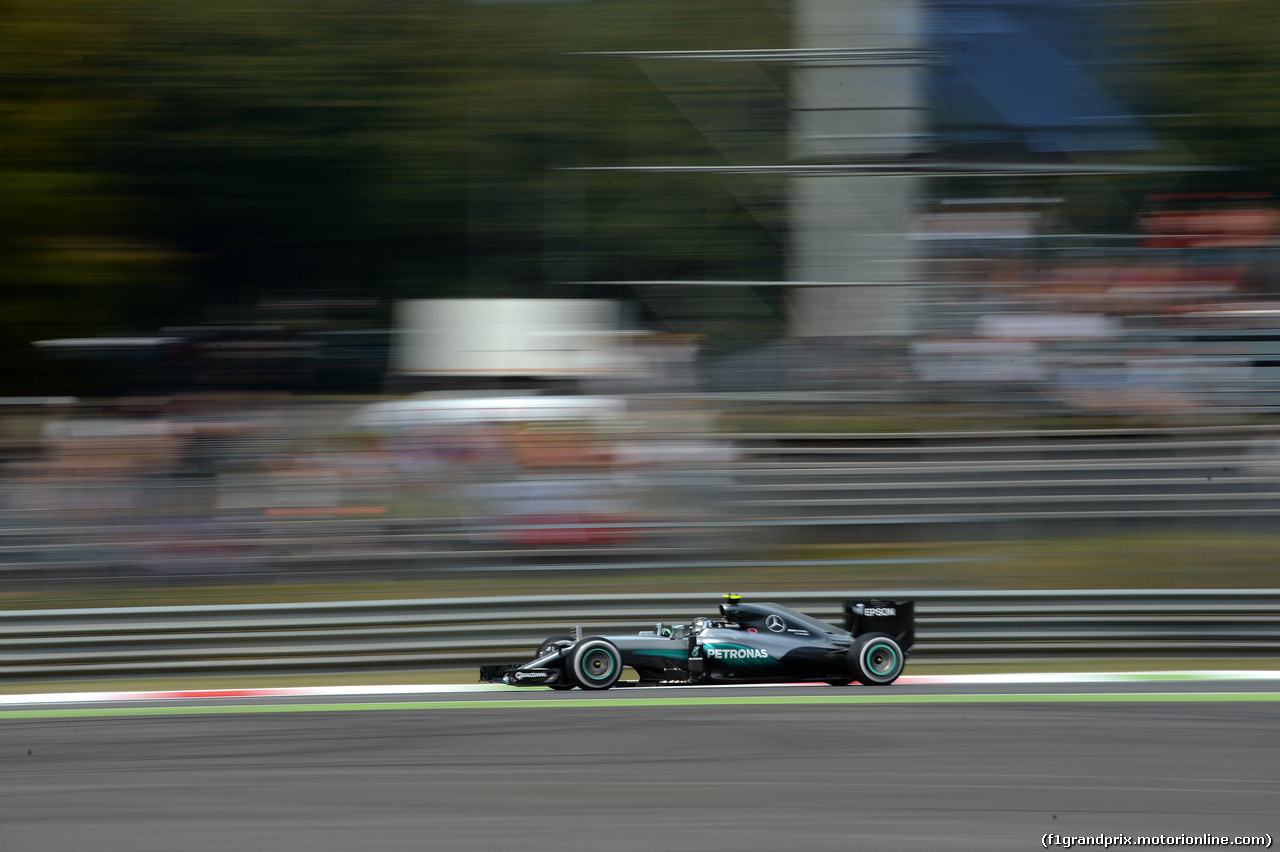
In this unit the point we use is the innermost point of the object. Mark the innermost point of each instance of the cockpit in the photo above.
(735, 615)
(754, 614)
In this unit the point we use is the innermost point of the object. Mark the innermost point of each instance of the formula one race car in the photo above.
(748, 643)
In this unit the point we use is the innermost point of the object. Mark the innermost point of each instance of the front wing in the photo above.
(522, 674)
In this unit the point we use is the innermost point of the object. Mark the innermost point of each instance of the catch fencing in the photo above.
(775, 490)
(332, 637)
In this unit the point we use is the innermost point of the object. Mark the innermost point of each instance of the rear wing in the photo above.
(894, 618)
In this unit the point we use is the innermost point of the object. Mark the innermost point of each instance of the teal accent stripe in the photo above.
(671, 702)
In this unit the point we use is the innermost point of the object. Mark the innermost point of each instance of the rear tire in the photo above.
(595, 664)
(875, 659)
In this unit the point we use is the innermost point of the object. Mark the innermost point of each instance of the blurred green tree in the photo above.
(172, 162)
(72, 258)
(1219, 87)
(415, 149)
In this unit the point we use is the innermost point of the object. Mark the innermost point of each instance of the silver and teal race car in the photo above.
(747, 643)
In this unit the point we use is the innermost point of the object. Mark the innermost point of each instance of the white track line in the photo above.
(443, 688)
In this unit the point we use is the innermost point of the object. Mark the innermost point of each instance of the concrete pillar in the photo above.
(854, 110)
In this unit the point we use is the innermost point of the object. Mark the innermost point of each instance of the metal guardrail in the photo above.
(434, 633)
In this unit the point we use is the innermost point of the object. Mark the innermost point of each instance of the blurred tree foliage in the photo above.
(166, 162)
(1219, 87)
(74, 253)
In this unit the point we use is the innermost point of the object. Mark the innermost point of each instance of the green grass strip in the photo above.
(669, 703)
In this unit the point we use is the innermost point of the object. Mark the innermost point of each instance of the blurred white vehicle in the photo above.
(428, 411)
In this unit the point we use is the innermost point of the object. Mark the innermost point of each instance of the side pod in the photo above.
(893, 618)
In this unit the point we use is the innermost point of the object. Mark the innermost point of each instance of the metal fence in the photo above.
(439, 633)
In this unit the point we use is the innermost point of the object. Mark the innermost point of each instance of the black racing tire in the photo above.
(549, 644)
(595, 664)
(552, 641)
(875, 659)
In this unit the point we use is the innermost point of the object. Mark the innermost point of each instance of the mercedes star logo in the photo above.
(776, 624)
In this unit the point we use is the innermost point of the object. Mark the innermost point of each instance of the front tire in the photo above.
(595, 664)
(876, 660)
(560, 640)
(552, 642)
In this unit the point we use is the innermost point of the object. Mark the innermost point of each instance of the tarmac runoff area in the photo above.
(1039, 688)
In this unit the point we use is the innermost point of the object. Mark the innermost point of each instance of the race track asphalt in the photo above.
(577, 775)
